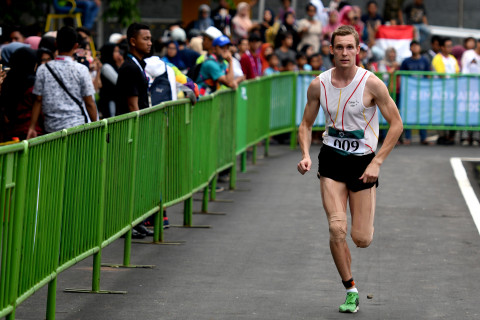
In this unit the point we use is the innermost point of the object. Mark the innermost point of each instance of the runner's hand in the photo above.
(304, 165)
(371, 173)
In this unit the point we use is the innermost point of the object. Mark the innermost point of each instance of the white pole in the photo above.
(460, 13)
(261, 9)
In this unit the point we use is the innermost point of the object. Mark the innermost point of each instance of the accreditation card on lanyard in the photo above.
(144, 75)
(138, 64)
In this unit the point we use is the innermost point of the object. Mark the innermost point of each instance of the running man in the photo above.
(348, 167)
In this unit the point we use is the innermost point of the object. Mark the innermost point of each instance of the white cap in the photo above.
(178, 34)
(51, 34)
(115, 38)
(213, 33)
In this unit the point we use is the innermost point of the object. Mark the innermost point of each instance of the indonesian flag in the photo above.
(398, 37)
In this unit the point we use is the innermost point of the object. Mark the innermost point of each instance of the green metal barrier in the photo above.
(44, 200)
(265, 107)
(258, 111)
(67, 195)
(150, 168)
(204, 146)
(225, 135)
(226, 105)
(253, 113)
(13, 176)
(177, 185)
(282, 98)
(122, 142)
(82, 219)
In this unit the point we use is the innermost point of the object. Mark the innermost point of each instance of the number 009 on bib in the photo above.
(351, 142)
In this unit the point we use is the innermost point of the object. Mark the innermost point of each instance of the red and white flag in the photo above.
(398, 37)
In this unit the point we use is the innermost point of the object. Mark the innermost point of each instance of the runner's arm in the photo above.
(389, 110)
(305, 129)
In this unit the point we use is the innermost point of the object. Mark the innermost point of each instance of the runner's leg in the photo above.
(334, 198)
(362, 208)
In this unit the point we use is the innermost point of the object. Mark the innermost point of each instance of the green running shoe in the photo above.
(351, 303)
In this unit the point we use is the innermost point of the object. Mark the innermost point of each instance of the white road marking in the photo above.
(466, 188)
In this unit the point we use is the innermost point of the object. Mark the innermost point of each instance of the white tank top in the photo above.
(350, 127)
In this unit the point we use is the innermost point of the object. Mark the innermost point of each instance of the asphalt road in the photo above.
(269, 258)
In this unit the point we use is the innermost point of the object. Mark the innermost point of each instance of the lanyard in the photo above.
(138, 64)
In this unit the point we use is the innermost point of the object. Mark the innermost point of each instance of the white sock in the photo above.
(352, 290)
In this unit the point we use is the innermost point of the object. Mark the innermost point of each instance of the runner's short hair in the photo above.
(345, 31)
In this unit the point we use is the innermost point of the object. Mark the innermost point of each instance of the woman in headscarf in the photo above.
(204, 21)
(350, 16)
(49, 43)
(44, 55)
(173, 57)
(268, 21)
(289, 26)
(9, 49)
(17, 97)
(388, 65)
(343, 15)
(111, 59)
(310, 29)
(241, 22)
(332, 25)
(265, 50)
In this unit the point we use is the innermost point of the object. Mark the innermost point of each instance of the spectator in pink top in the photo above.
(33, 42)
(333, 24)
(241, 23)
(350, 16)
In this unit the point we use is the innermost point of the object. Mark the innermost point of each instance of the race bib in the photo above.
(351, 142)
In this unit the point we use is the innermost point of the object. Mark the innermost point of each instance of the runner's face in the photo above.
(344, 51)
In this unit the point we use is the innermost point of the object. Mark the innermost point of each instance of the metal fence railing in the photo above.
(67, 195)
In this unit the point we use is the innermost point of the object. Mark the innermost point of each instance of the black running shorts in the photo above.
(344, 168)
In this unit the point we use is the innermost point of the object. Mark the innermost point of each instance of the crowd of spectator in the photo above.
(54, 81)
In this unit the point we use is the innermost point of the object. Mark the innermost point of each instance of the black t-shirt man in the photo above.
(132, 81)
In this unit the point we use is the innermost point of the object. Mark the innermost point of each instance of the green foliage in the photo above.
(230, 3)
(125, 11)
(15, 12)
